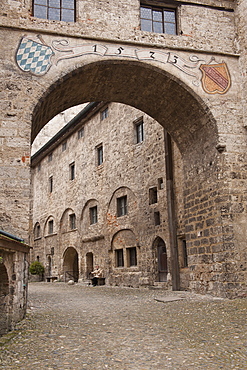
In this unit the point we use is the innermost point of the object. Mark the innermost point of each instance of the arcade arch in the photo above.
(70, 264)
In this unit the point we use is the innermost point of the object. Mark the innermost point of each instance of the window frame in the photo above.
(50, 227)
(80, 133)
(48, 7)
(104, 113)
(64, 146)
(93, 215)
(131, 256)
(122, 206)
(72, 221)
(139, 131)
(50, 184)
(100, 155)
(161, 7)
(119, 257)
(72, 171)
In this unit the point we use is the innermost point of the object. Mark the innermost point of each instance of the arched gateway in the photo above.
(193, 93)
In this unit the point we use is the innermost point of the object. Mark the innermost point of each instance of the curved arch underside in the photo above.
(152, 90)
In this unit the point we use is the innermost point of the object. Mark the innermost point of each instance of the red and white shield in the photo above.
(215, 78)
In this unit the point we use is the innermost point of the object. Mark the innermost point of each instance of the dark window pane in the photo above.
(158, 27)
(170, 29)
(40, 2)
(69, 4)
(54, 14)
(169, 16)
(40, 11)
(146, 25)
(67, 15)
(157, 15)
(54, 3)
(146, 13)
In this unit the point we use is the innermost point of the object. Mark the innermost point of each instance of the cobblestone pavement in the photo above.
(81, 327)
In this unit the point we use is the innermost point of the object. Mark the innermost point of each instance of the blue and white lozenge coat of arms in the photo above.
(34, 56)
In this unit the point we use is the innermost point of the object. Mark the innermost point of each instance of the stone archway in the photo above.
(176, 107)
(4, 299)
(70, 264)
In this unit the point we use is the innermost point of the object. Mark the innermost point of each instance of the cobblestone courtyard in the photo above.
(81, 327)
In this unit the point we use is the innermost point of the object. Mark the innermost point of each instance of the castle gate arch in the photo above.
(159, 89)
(70, 264)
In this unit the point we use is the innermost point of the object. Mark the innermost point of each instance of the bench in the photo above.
(51, 279)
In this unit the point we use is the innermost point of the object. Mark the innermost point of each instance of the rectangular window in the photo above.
(72, 171)
(139, 132)
(132, 259)
(39, 167)
(93, 215)
(158, 19)
(56, 10)
(50, 157)
(153, 195)
(50, 227)
(81, 133)
(51, 184)
(156, 218)
(72, 221)
(37, 231)
(119, 258)
(64, 146)
(160, 183)
(122, 206)
(104, 114)
(100, 155)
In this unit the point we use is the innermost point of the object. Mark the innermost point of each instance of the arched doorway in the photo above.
(4, 299)
(70, 265)
(161, 257)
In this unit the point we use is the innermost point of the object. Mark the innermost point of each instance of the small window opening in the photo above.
(139, 131)
(100, 155)
(72, 170)
(93, 215)
(51, 184)
(64, 146)
(50, 227)
(119, 258)
(156, 218)
(104, 114)
(132, 258)
(153, 195)
(160, 183)
(81, 133)
(50, 157)
(72, 222)
(122, 208)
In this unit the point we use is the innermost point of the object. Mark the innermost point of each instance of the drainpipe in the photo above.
(171, 212)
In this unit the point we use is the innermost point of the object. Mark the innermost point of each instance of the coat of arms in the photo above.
(215, 78)
(34, 56)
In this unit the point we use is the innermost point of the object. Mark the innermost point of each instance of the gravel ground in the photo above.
(84, 327)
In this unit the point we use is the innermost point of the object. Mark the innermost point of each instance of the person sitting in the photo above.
(97, 273)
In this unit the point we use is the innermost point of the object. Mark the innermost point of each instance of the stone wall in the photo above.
(13, 282)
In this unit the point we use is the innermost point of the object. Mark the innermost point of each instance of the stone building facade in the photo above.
(14, 258)
(100, 198)
(187, 71)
